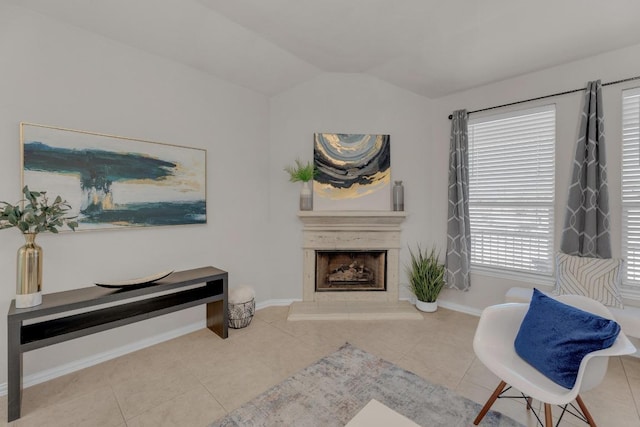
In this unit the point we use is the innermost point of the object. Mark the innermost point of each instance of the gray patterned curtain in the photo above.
(458, 235)
(586, 224)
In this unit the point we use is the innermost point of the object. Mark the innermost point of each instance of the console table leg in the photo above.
(217, 317)
(217, 314)
(14, 377)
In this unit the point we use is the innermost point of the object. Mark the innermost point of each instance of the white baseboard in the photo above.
(276, 303)
(461, 308)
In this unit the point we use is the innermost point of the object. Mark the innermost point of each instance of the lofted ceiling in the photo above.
(430, 47)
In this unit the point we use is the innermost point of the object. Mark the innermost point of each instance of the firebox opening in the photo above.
(354, 270)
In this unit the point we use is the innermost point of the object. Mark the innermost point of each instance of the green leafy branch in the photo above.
(37, 215)
(301, 172)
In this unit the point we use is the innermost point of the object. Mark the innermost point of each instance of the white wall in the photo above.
(59, 75)
(345, 103)
(608, 67)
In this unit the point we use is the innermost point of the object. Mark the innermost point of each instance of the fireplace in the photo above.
(346, 236)
(355, 270)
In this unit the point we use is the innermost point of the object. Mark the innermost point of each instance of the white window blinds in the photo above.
(631, 186)
(511, 190)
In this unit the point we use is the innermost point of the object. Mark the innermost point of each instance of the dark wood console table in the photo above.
(147, 304)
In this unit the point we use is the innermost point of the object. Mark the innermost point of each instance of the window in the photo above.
(511, 190)
(631, 187)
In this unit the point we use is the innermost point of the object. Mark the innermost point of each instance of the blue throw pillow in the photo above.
(554, 337)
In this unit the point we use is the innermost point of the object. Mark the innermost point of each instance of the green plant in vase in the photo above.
(303, 173)
(426, 278)
(32, 215)
(37, 215)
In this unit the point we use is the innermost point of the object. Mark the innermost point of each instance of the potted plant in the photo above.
(303, 173)
(32, 215)
(426, 278)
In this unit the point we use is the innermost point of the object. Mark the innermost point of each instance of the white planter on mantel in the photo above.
(427, 307)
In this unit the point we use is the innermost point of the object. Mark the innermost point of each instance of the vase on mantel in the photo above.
(29, 274)
(306, 196)
(398, 196)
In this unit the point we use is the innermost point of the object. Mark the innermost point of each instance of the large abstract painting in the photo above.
(354, 172)
(115, 182)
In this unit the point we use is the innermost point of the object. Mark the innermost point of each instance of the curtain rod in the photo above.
(548, 96)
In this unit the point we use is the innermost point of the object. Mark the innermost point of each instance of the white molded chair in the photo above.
(493, 343)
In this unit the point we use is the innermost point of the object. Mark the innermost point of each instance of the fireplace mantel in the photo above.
(352, 220)
(351, 230)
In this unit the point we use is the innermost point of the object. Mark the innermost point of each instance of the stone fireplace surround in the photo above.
(351, 230)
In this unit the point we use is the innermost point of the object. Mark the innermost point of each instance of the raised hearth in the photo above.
(351, 232)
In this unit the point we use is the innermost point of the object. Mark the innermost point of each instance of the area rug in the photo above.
(331, 391)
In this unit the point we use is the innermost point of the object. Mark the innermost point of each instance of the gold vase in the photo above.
(29, 277)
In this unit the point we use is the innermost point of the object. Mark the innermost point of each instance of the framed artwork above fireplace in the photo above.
(354, 172)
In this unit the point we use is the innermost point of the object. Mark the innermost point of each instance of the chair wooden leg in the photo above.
(548, 419)
(585, 411)
(489, 403)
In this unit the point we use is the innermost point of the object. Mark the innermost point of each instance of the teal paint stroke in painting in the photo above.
(121, 188)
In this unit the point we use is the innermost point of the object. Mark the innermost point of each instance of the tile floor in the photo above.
(197, 378)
